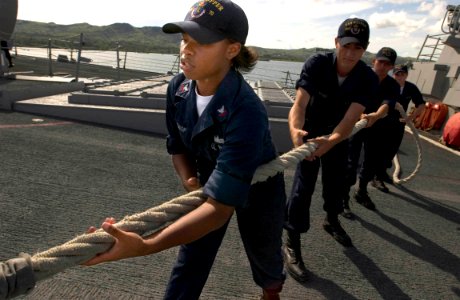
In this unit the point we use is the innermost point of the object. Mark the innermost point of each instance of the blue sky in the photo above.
(284, 24)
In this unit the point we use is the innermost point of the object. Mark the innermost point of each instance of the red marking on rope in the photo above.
(8, 126)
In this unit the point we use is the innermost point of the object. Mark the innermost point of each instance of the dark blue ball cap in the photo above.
(388, 54)
(211, 21)
(354, 30)
(400, 68)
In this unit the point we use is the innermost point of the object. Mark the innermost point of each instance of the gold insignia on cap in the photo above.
(198, 10)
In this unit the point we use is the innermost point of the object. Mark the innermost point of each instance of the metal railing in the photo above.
(72, 53)
(431, 48)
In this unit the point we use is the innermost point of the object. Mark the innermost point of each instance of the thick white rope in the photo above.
(86, 246)
(397, 170)
(293, 157)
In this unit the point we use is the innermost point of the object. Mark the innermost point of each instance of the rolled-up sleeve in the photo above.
(16, 277)
(226, 188)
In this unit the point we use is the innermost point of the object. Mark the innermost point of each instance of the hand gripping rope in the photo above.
(84, 247)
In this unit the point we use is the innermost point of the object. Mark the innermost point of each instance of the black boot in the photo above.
(332, 226)
(362, 197)
(293, 257)
(346, 208)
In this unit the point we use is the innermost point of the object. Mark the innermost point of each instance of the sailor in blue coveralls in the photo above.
(228, 142)
(332, 92)
(375, 139)
(408, 92)
(218, 136)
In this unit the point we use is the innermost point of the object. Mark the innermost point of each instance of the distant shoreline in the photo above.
(132, 39)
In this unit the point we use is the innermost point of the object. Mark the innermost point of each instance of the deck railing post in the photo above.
(118, 61)
(80, 45)
(50, 59)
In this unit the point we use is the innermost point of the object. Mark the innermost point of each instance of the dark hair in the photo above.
(246, 60)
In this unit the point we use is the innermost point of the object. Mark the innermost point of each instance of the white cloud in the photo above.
(400, 21)
(401, 2)
(436, 9)
(298, 23)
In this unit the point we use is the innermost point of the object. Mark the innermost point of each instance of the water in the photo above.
(273, 70)
(284, 72)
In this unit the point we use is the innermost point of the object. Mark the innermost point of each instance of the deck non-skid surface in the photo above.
(58, 177)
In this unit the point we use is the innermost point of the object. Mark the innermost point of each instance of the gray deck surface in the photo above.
(58, 177)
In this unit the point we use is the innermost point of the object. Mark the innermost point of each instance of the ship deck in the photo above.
(62, 173)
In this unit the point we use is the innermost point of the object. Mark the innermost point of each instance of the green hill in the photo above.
(133, 39)
(145, 39)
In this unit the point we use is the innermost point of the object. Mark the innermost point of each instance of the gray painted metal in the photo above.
(8, 15)
(439, 80)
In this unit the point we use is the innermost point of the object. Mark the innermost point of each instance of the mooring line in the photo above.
(86, 246)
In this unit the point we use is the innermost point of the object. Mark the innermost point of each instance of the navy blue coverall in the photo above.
(408, 93)
(228, 142)
(372, 140)
(326, 108)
